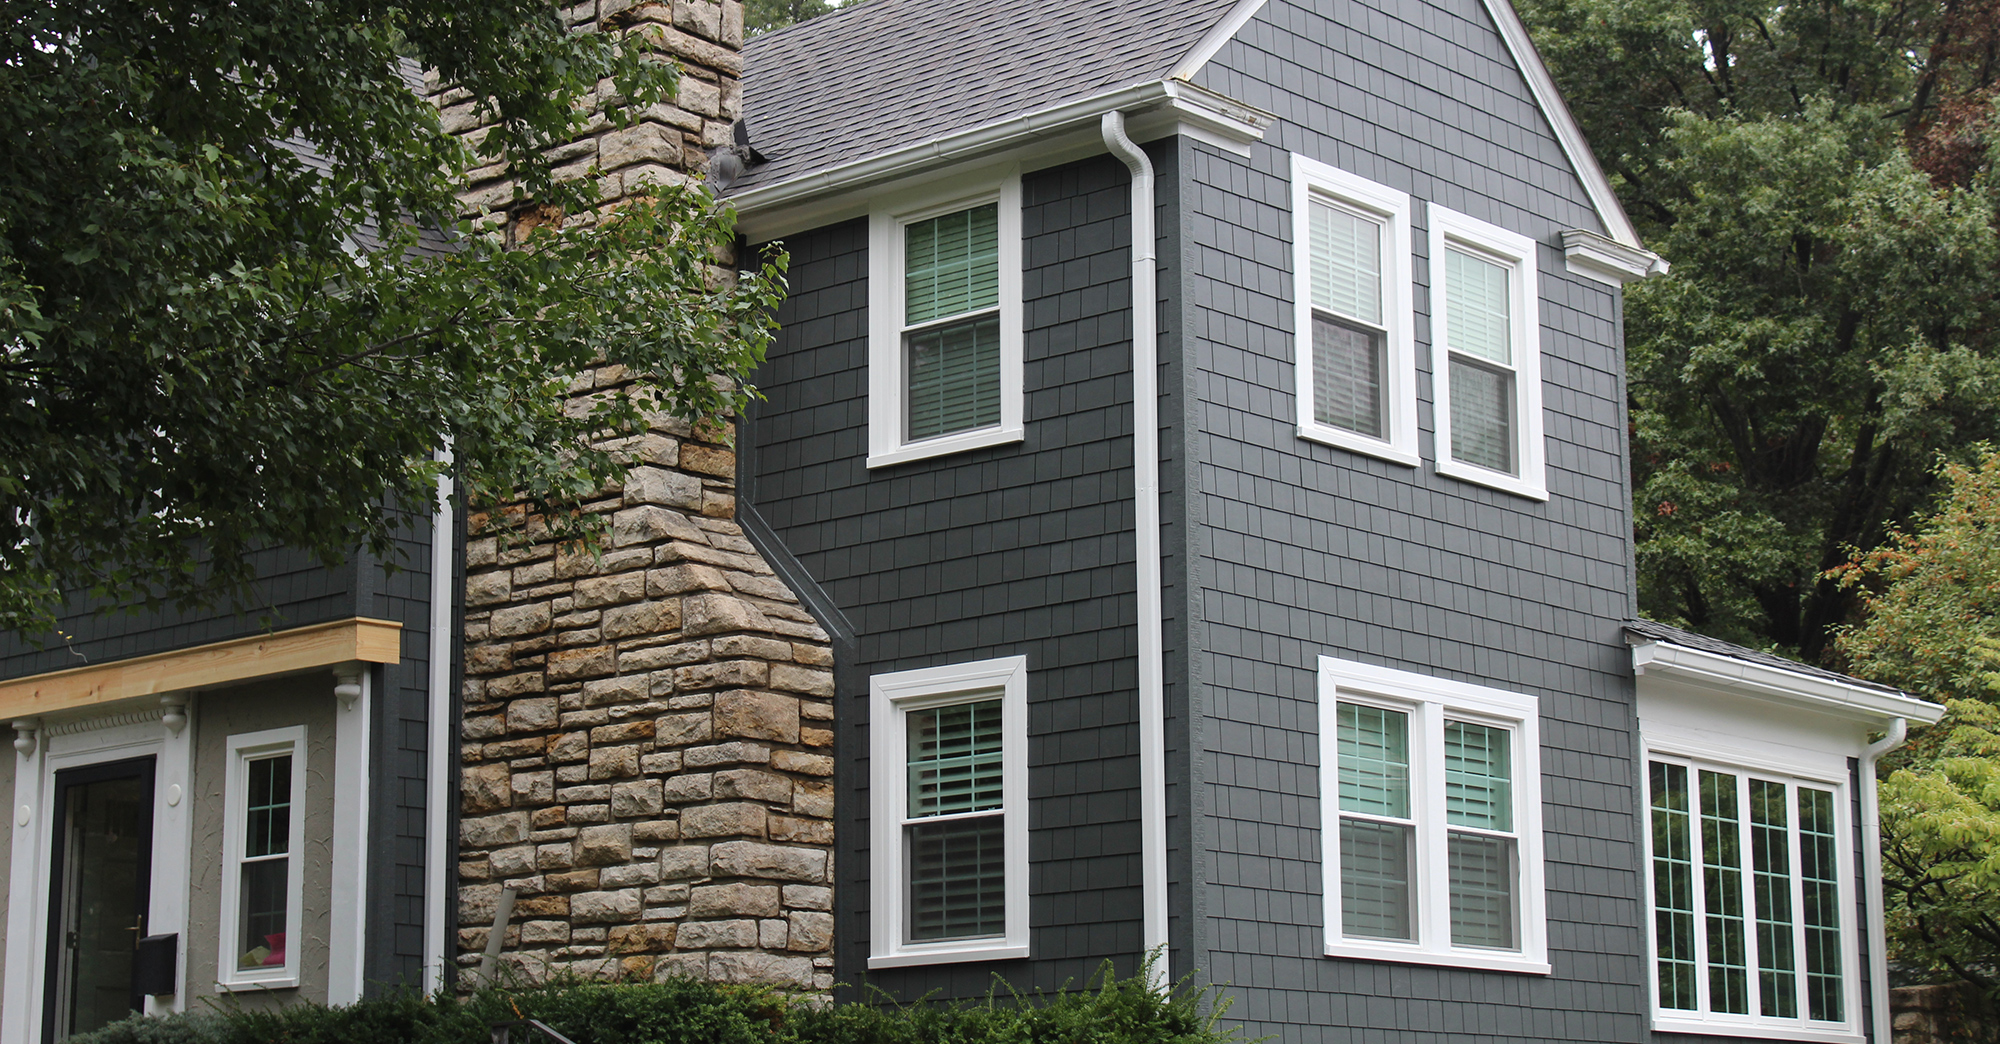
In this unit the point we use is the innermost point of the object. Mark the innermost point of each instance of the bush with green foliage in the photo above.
(1109, 1010)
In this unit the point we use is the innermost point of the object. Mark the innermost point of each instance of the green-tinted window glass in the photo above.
(1478, 776)
(951, 264)
(955, 758)
(1819, 907)
(1374, 755)
(1722, 894)
(1771, 886)
(1673, 887)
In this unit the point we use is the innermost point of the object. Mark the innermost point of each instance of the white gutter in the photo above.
(1194, 106)
(438, 846)
(1146, 498)
(1871, 845)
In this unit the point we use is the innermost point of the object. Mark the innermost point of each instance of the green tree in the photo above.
(763, 16)
(198, 356)
(1826, 329)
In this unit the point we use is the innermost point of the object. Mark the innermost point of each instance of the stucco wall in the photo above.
(299, 700)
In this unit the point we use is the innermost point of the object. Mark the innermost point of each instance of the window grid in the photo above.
(1788, 913)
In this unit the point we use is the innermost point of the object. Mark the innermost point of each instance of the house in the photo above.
(1283, 623)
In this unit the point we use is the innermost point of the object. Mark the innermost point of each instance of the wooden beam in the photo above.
(219, 663)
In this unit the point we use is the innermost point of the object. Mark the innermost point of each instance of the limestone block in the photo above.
(533, 715)
(645, 618)
(727, 754)
(702, 935)
(751, 966)
(680, 965)
(684, 862)
(488, 588)
(768, 862)
(800, 831)
(640, 938)
(638, 798)
(613, 907)
(604, 845)
(555, 857)
(791, 678)
(802, 763)
(752, 647)
(514, 685)
(507, 828)
(733, 819)
(689, 786)
(771, 934)
(651, 485)
(673, 730)
(623, 689)
(485, 726)
(650, 524)
(593, 661)
(808, 897)
(572, 880)
(755, 784)
(815, 655)
(622, 732)
(757, 715)
(639, 143)
(570, 746)
(719, 613)
(813, 799)
(810, 931)
(738, 899)
(545, 932)
(518, 620)
(488, 659)
(534, 788)
(614, 762)
(682, 577)
(514, 862)
(610, 590)
(700, 457)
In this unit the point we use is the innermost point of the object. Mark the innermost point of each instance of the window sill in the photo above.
(985, 950)
(1759, 1030)
(944, 444)
(289, 982)
(1492, 479)
(1517, 963)
(1361, 444)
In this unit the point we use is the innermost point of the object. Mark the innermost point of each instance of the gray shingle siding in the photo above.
(1019, 549)
(1312, 550)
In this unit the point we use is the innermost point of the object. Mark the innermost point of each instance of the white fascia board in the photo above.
(1156, 108)
(1777, 685)
(1221, 33)
(1607, 260)
(1563, 123)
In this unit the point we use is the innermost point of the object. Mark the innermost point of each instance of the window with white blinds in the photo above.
(1433, 854)
(1356, 356)
(949, 767)
(945, 330)
(264, 778)
(1485, 354)
(1751, 912)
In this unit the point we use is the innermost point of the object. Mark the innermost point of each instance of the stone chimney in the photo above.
(647, 735)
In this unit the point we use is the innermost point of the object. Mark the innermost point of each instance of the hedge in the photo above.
(685, 1011)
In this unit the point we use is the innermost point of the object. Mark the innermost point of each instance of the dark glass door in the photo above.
(100, 874)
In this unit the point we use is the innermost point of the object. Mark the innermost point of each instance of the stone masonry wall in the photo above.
(647, 733)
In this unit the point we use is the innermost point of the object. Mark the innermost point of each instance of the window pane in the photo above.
(1482, 416)
(1347, 377)
(954, 378)
(1722, 894)
(268, 814)
(951, 264)
(1771, 869)
(1673, 887)
(958, 879)
(1374, 758)
(1477, 306)
(1346, 264)
(1375, 896)
(955, 759)
(1478, 785)
(261, 913)
(1820, 903)
(1482, 890)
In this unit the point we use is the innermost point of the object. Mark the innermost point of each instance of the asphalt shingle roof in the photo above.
(1660, 632)
(886, 74)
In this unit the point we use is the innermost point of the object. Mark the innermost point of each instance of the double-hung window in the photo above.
(1432, 826)
(1486, 358)
(1752, 914)
(948, 773)
(945, 324)
(264, 787)
(1356, 355)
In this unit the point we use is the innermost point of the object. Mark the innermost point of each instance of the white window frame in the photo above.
(1518, 254)
(888, 380)
(891, 697)
(239, 751)
(1428, 701)
(1315, 181)
(1746, 759)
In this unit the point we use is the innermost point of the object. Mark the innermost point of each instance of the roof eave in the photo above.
(1157, 108)
(1847, 700)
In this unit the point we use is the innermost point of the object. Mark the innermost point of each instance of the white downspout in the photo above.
(1871, 850)
(438, 848)
(1146, 497)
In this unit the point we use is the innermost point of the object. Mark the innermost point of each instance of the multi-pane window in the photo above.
(1485, 354)
(1430, 847)
(945, 326)
(263, 781)
(948, 774)
(1356, 355)
(1747, 889)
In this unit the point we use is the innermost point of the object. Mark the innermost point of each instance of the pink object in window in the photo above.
(276, 942)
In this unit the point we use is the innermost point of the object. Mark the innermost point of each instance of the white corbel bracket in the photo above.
(173, 712)
(347, 685)
(25, 730)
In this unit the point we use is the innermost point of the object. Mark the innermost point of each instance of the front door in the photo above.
(100, 876)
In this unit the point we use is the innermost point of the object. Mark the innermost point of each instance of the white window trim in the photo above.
(1746, 758)
(890, 696)
(239, 750)
(887, 381)
(1428, 700)
(1312, 179)
(1518, 253)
